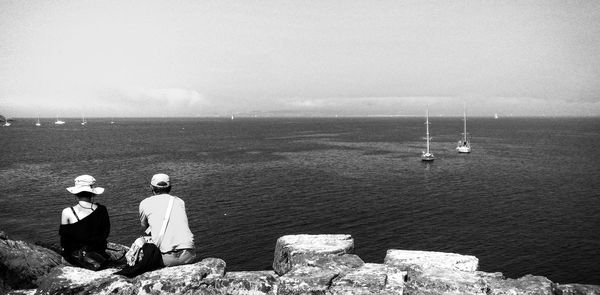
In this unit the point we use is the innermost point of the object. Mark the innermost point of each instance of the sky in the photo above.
(310, 57)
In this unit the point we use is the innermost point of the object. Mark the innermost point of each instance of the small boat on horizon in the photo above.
(83, 121)
(496, 116)
(38, 122)
(427, 155)
(58, 122)
(464, 145)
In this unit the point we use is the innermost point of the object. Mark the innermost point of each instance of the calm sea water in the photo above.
(526, 200)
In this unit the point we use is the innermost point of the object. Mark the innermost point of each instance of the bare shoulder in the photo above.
(66, 216)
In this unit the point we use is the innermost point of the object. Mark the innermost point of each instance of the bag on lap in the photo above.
(88, 259)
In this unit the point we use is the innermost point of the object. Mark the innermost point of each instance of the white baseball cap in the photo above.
(160, 180)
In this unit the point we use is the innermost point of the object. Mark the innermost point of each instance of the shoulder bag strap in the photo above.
(165, 222)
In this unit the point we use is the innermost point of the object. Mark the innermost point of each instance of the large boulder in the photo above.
(22, 264)
(440, 273)
(184, 279)
(293, 250)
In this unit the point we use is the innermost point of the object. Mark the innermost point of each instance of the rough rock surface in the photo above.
(184, 279)
(576, 289)
(293, 249)
(247, 283)
(22, 263)
(370, 278)
(315, 267)
(527, 285)
(408, 259)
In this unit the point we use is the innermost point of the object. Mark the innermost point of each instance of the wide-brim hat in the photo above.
(85, 183)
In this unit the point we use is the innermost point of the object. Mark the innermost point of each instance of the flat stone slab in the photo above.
(290, 249)
(410, 260)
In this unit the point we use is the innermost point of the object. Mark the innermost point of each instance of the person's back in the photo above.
(177, 234)
(177, 243)
(84, 227)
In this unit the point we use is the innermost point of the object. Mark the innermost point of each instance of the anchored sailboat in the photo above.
(464, 145)
(38, 122)
(427, 156)
(59, 122)
(83, 121)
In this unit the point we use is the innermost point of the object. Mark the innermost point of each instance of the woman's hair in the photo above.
(85, 195)
(161, 190)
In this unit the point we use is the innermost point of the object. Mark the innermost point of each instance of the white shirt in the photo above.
(177, 234)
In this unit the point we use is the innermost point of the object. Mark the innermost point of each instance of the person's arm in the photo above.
(65, 216)
(106, 225)
(143, 218)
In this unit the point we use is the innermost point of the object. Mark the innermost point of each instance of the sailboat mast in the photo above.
(427, 123)
(465, 122)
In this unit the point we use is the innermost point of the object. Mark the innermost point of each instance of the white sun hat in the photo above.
(85, 183)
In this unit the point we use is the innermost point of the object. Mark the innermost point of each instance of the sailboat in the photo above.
(464, 145)
(38, 122)
(496, 116)
(6, 123)
(83, 121)
(59, 122)
(427, 156)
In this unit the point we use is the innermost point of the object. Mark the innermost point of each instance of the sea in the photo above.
(526, 200)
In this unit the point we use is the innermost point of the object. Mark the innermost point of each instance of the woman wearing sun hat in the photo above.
(85, 226)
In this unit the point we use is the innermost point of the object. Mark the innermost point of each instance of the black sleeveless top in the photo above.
(91, 231)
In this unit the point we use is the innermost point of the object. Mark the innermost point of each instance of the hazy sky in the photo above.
(198, 58)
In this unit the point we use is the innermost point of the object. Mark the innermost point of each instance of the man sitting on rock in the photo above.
(177, 242)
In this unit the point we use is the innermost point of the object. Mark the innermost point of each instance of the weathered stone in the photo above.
(371, 278)
(576, 289)
(420, 260)
(288, 247)
(21, 292)
(337, 263)
(527, 285)
(247, 283)
(22, 264)
(446, 281)
(306, 280)
(184, 279)
(75, 280)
